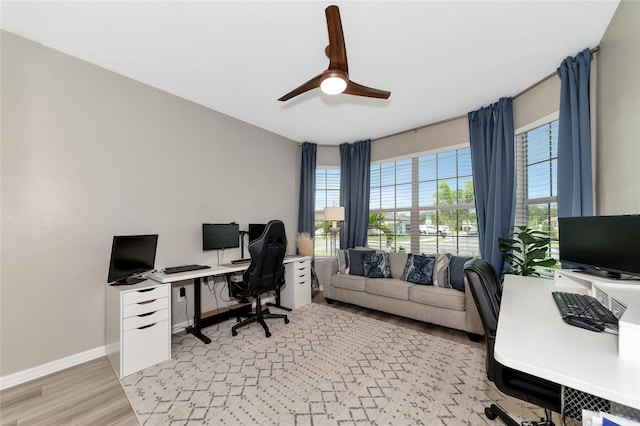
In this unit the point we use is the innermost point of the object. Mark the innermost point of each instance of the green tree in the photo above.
(454, 218)
(377, 221)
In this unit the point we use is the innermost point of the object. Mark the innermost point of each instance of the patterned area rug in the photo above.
(327, 367)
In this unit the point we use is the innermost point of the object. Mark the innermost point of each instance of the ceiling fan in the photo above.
(335, 79)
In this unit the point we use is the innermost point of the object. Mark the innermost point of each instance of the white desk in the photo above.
(199, 322)
(532, 338)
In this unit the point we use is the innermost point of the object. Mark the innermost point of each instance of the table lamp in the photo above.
(334, 214)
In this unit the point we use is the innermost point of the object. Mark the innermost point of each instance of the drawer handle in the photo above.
(146, 302)
(147, 326)
(147, 314)
(144, 290)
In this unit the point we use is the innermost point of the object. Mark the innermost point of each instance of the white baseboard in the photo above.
(180, 327)
(51, 367)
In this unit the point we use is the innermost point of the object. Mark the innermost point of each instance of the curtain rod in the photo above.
(536, 84)
(415, 130)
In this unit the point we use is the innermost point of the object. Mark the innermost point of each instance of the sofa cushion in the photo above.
(397, 262)
(349, 282)
(376, 265)
(447, 298)
(419, 269)
(456, 271)
(395, 289)
(355, 261)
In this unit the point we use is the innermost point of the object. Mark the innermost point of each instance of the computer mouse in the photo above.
(585, 323)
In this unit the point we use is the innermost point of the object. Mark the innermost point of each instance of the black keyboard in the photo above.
(581, 305)
(184, 268)
(241, 261)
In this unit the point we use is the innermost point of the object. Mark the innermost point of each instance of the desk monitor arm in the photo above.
(242, 234)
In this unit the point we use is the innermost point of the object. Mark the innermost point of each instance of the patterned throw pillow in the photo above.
(343, 261)
(355, 261)
(419, 269)
(376, 265)
(441, 271)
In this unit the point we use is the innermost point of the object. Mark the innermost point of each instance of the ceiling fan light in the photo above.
(333, 84)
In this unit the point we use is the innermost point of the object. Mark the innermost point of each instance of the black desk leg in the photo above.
(196, 328)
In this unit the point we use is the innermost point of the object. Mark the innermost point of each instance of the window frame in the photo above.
(523, 202)
(415, 209)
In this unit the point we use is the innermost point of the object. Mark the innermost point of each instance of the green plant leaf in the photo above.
(526, 251)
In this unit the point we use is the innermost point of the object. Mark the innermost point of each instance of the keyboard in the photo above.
(184, 268)
(241, 261)
(581, 305)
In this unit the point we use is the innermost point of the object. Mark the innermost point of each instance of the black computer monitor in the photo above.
(601, 244)
(219, 236)
(256, 230)
(131, 255)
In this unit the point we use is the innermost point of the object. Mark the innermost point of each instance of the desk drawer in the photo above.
(301, 276)
(145, 347)
(145, 294)
(145, 307)
(302, 264)
(144, 320)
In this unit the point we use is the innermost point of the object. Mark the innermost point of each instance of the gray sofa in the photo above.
(447, 307)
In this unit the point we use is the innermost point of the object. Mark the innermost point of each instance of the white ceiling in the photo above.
(439, 59)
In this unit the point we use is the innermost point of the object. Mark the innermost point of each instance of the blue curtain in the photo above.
(493, 162)
(306, 210)
(575, 191)
(355, 165)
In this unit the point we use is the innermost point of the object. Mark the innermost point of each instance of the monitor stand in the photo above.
(129, 281)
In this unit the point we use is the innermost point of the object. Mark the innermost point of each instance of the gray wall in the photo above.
(618, 113)
(88, 154)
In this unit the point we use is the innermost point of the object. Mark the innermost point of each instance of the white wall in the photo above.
(88, 154)
(618, 113)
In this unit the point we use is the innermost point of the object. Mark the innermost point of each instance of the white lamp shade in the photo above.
(334, 213)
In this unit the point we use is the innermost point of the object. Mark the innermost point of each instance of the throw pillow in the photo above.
(456, 271)
(355, 261)
(441, 271)
(376, 265)
(419, 269)
(343, 261)
(397, 262)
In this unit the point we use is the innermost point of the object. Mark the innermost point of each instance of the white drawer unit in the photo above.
(138, 326)
(296, 291)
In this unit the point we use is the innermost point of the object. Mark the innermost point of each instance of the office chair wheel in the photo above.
(234, 333)
(489, 413)
(267, 333)
(286, 320)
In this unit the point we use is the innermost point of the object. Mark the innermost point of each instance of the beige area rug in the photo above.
(327, 367)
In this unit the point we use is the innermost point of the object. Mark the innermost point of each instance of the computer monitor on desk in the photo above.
(220, 236)
(255, 231)
(601, 245)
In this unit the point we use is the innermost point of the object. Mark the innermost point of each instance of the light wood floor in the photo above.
(90, 393)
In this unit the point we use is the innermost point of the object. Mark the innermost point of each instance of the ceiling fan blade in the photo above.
(304, 87)
(354, 88)
(337, 50)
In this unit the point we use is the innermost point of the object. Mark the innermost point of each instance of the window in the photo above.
(424, 204)
(327, 195)
(536, 188)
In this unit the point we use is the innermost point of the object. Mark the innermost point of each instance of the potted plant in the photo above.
(526, 251)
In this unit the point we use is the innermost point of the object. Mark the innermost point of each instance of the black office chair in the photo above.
(487, 292)
(264, 273)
